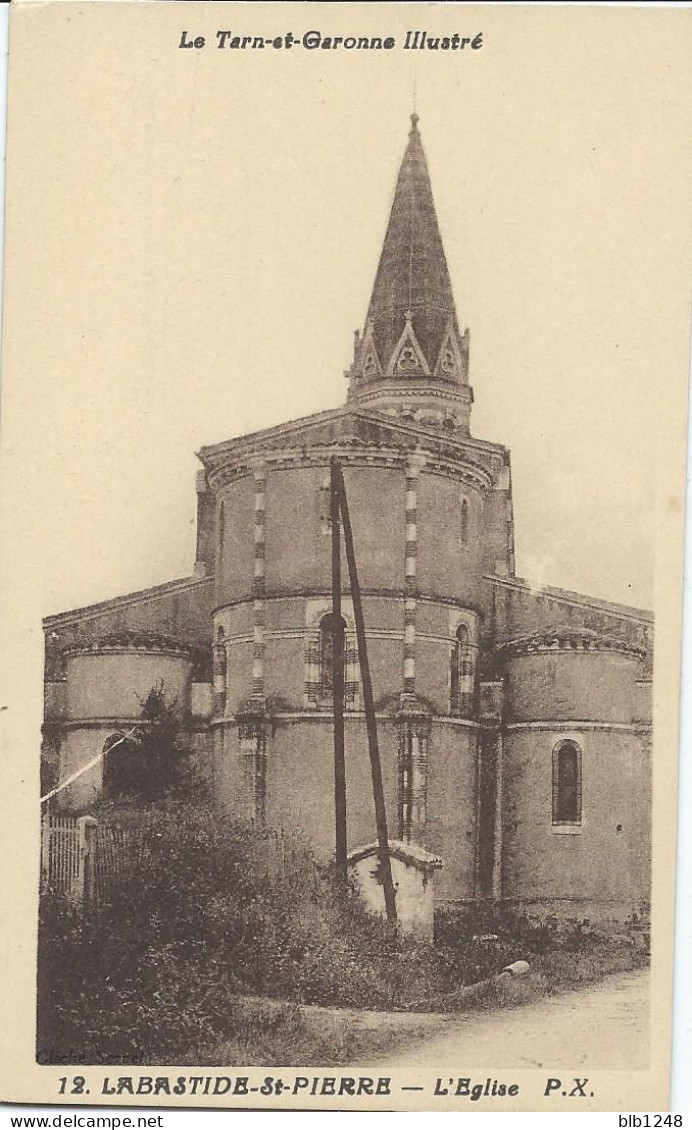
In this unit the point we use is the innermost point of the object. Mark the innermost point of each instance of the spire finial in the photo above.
(414, 122)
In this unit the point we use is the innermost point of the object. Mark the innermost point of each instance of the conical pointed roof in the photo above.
(412, 276)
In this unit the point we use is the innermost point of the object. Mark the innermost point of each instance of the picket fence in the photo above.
(68, 849)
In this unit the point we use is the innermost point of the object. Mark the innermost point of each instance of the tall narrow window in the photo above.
(567, 783)
(462, 681)
(319, 673)
(464, 525)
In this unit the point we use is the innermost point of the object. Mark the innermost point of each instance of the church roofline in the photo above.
(212, 449)
(61, 619)
(567, 596)
(209, 454)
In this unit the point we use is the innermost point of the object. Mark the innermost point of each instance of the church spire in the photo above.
(411, 342)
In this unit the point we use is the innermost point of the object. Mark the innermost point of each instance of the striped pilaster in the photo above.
(413, 467)
(258, 588)
(219, 665)
(412, 798)
(252, 780)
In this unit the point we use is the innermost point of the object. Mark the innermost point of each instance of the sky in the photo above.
(199, 234)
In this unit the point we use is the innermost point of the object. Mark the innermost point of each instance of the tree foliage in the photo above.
(154, 761)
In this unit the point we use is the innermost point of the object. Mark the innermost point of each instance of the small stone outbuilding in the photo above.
(413, 872)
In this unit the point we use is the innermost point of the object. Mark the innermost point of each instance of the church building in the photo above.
(514, 724)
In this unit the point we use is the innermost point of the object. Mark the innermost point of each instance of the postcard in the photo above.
(345, 366)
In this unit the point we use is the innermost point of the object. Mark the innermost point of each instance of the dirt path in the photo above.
(604, 1025)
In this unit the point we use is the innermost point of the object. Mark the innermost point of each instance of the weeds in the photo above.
(180, 962)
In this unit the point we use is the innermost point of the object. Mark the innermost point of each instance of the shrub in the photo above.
(198, 916)
(206, 920)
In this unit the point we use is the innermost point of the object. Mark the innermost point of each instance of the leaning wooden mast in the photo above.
(339, 489)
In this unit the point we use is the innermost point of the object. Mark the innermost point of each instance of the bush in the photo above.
(206, 922)
(198, 918)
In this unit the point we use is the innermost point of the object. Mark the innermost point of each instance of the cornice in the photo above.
(578, 726)
(355, 429)
(133, 643)
(316, 716)
(105, 723)
(472, 476)
(396, 595)
(388, 387)
(571, 641)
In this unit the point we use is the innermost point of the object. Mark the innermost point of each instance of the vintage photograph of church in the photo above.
(514, 724)
(476, 761)
(344, 420)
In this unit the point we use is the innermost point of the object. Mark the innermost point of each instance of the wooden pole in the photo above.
(337, 630)
(369, 703)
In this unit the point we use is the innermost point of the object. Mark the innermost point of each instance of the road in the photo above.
(604, 1025)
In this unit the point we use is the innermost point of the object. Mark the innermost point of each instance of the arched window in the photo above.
(567, 783)
(319, 667)
(464, 522)
(462, 682)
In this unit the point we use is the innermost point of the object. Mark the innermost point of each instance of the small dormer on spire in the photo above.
(412, 345)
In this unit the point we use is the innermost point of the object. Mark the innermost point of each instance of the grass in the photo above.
(202, 924)
(279, 1034)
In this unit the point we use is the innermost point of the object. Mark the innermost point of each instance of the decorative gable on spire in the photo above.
(367, 359)
(452, 363)
(408, 359)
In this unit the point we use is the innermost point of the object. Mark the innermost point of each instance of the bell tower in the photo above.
(412, 359)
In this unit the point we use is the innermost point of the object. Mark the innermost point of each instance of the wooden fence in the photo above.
(68, 849)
